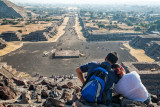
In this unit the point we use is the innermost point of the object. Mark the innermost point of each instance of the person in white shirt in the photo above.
(130, 85)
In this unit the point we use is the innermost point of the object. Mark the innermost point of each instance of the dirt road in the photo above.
(29, 58)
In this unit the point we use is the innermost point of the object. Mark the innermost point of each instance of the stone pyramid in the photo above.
(9, 10)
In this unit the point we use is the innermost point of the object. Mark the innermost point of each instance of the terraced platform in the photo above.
(142, 41)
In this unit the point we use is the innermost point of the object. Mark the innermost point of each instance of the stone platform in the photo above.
(149, 73)
(67, 54)
(142, 41)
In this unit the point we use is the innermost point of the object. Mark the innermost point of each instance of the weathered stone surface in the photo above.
(53, 102)
(6, 93)
(125, 102)
(1, 105)
(32, 87)
(70, 84)
(77, 104)
(19, 82)
(67, 95)
(45, 82)
(44, 94)
(65, 86)
(39, 100)
(34, 95)
(26, 98)
(154, 99)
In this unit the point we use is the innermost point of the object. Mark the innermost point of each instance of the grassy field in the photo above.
(11, 46)
(139, 54)
(26, 29)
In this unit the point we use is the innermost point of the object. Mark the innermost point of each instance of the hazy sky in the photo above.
(131, 2)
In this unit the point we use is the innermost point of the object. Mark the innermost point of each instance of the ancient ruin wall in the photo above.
(153, 50)
(112, 37)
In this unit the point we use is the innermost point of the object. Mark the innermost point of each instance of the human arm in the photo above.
(80, 75)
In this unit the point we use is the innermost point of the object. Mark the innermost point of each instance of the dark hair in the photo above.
(112, 57)
(115, 66)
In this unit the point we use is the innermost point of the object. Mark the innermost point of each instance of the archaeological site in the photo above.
(43, 43)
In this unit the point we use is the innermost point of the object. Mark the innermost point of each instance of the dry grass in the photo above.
(11, 46)
(78, 29)
(26, 29)
(139, 54)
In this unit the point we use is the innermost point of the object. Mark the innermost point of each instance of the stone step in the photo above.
(9, 68)
(14, 71)
(18, 74)
(25, 76)
(6, 73)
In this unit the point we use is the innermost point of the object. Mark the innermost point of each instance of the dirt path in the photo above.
(139, 54)
(78, 29)
(11, 46)
(61, 30)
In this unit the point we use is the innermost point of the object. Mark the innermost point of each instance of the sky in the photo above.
(130, 2)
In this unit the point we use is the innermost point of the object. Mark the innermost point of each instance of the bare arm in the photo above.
(80, 75)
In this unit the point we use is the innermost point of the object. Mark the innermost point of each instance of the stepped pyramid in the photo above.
(9, 10)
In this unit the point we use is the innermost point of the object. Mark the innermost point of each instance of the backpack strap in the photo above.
(92, 73)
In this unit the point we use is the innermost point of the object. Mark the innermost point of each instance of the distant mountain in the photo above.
(10, 10)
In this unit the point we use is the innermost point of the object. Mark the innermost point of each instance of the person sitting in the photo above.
(110, 59)
(130, 85)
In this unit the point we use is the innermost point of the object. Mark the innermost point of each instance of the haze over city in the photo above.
(117, 2)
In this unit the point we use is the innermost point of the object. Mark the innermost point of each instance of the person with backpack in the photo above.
(100, 78)
(130, 85)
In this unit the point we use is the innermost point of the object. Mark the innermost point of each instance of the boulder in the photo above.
(38, 89)
(70, 84)
(19, 82)
(1, 105)
(34, 95)
(45, 82)
(67, 95)
(39, 100)
(77, 104)
(44, 94)
(9, 82)
(53, 102)
(65, 86)
(154, 99)
(26, 98)
(32, 87)
(1, 78)
(6, 93)
(54, 93)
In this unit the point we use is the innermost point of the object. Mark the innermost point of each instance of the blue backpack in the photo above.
(94, 85)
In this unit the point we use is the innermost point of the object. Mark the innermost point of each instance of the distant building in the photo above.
(142, 41)
(11, 36)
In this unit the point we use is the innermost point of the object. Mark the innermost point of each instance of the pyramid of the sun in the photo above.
(10, 10)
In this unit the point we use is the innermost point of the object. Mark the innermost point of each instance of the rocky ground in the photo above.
(54, 91)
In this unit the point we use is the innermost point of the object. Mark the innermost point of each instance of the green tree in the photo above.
(138, 29)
